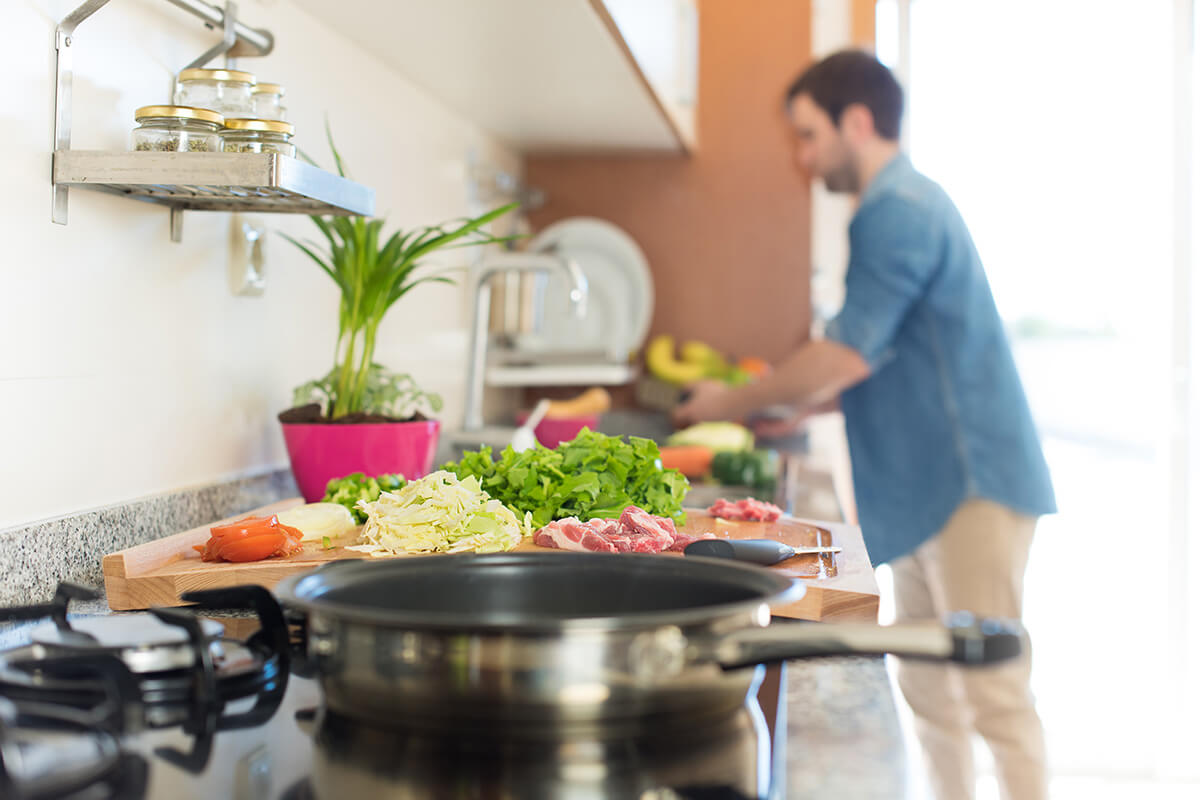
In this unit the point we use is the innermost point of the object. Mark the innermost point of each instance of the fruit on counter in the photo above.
(697, 362)
(661, 361)
(716, 436)
(440, 514)
(754, 468)
(596, 400)
(318, 521)
(250, 539)
(693, 461)
(348, 491)
(754, 366)
(593, 475)
(713, 361)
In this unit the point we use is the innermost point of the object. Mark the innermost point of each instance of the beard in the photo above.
(842, 179)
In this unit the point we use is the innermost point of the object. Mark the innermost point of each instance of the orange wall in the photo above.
(726, 230)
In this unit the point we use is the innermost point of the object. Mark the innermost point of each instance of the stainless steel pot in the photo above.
(566, 639)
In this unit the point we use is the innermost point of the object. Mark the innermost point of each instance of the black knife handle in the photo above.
(983, 640)
(756, 551)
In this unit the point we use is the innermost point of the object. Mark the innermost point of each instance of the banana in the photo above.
(594, 401)
(715, 365)
(660, 359)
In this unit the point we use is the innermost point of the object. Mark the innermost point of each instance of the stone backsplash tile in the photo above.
(34, 558)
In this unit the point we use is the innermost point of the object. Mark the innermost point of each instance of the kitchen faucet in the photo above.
(503, 262)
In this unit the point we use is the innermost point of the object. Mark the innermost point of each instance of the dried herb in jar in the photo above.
(193, 146)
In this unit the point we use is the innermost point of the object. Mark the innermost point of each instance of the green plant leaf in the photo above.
(320, 262)
(372, 272)
(337, 158)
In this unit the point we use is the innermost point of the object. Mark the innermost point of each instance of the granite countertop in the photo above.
(843, 732)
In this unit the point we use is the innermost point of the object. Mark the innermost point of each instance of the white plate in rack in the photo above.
(620, 290)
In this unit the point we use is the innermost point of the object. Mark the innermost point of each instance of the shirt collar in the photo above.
(887, 177)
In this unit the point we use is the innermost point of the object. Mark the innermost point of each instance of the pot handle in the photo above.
(963, 639)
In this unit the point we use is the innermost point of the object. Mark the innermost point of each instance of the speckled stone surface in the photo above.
(34, 558)
(843, 731)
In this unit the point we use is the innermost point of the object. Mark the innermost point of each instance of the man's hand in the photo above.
(778, 427)
(707, 401)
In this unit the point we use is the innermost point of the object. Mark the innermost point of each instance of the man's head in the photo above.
(843, 109)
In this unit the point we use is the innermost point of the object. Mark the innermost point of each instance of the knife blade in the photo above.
(756, 551)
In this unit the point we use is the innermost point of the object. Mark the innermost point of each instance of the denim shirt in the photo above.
(942, 417)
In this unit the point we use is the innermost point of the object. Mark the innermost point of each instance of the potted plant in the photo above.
(362, 417)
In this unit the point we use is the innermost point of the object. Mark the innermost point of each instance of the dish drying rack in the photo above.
(248, 182)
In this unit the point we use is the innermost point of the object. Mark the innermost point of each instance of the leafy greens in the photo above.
(591, 476)
(356, 486)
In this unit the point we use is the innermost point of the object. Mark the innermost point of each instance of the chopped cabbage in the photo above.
(440, 514)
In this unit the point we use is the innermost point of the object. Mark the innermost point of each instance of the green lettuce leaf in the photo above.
(593, 475)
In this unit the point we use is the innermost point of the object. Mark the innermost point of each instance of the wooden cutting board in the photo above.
(156, 573)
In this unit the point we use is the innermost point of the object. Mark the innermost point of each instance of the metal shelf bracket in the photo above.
(237, 40)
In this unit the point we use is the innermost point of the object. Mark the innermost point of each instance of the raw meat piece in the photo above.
(637, 531)
(749, 510)
(650, 534)
(682, 540)
(571, 534)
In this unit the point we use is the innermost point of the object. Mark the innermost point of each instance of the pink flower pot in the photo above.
(320, 452)
(550, 432)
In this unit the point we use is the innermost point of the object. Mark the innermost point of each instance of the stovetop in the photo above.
(162, 705)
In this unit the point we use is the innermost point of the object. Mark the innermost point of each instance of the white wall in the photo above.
(831, 213)
(127, 367)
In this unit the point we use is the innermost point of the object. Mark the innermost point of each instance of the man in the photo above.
(949, 475)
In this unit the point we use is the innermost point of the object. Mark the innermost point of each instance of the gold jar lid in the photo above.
(268, 88)
(179, 112)
(260, 125)
(225, 75)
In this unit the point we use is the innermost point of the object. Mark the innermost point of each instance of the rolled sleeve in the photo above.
(893, 257)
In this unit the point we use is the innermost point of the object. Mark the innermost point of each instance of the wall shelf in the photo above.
(250, 182)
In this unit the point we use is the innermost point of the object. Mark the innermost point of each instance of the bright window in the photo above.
(1055, 127)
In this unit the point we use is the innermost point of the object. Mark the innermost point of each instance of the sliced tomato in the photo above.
(250, 539)
(249, 526)
(295, 533)
(255, 548)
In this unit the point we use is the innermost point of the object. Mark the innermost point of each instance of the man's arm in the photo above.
(814, 374)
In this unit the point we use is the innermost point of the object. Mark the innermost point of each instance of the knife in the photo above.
(757, 551)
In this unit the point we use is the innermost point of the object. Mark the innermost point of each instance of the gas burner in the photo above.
(57, 753)
(160, 669)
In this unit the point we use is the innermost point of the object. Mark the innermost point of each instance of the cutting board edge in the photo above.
(129, 586)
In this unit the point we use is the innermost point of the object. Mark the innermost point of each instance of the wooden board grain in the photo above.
(156, 573)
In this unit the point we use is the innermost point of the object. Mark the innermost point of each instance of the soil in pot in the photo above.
(310, 414)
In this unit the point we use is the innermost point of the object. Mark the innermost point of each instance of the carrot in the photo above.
(693, 461)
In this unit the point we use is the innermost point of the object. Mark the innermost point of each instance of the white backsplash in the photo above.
(127, 366)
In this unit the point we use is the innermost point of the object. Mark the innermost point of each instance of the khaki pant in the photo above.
(976, 563)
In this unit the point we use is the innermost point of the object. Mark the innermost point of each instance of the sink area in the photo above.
(549, 358)
(567, 373)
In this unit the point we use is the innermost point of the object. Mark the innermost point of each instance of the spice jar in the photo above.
(268, 101)
(177, 129)
(258, 136)
(226, 91)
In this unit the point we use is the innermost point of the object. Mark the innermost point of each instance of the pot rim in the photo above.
(304, 592)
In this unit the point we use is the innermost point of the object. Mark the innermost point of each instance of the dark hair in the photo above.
(853, 76)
